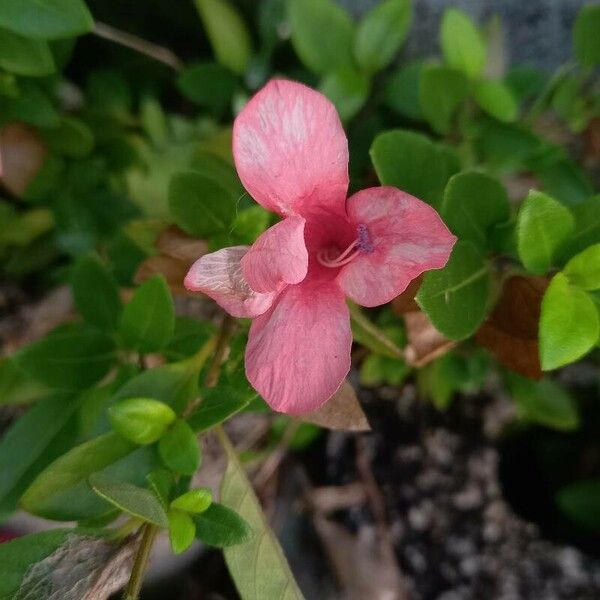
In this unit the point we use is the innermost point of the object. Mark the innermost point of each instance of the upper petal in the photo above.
(219, 275)
(290, 149)
(298, 353)
(278, 256)
(406, 238)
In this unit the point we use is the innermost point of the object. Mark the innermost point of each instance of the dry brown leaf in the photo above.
(406, 302)
(511, 331)
(591, 144)
(175, 243)
(173, 270)
(425, 342)
(341, 412)
(22, 153)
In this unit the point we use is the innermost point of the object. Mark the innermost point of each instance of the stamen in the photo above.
(326, 258)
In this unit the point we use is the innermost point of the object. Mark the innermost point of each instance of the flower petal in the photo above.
(298, 353)
(219, 275)
(278, 256)
(290, 149)
(407, 237)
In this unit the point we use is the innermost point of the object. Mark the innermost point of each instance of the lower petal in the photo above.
(298, 353)
(219, 276)
(405, 238)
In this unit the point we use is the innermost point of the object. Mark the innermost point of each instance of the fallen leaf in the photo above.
(341, 412)
(425, 342)
(511, 331)
(173, 270)
(406, 302)
(22, 153)
(175, 243)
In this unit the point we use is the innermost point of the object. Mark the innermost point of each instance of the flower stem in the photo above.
(132, 592)
(225, 333)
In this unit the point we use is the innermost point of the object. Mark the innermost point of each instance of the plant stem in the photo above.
(225, 333)
(133, 42)
(132, 592)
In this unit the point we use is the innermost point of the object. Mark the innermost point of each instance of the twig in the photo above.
(133, 42)
(276, 457)
(132, 591)
(225, 333)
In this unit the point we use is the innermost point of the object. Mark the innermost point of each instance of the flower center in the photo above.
(331, 257)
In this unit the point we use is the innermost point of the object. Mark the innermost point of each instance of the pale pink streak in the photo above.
(290, 149)
(219, 275)
(407, 236)
(298, 353)
(278, 257)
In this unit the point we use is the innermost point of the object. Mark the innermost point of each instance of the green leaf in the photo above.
(569, 324)
(96, 293)
(47, 19)
(200, 206)
(73, 468)
(543, 224)
(585, 35)
(72, 138)
(220, 171)
(401, 92)
(378, 370)
(249, 224)
(347, 89)
(32, 443)
(583, 270)
(19, 556)
(496, 99)
(544, 402)
(380, 34)
(473, 203)
(24, 56)
(365, 332)
(182, 531)
(258, 566)
(33, 106)
(221, 527)
(141, 420)
(148, 320)
(179, 449)
(227, 32)
(322, 35)
(69, 359)
(413, 163)
(587, 228)
(194, 501)
(16, 387)
(580, 501)
(455, 298)
(441, 92)
(462, 43)
(135, 501)
(218, 404)
(208, 84)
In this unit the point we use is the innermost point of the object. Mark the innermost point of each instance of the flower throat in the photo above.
(332, 258)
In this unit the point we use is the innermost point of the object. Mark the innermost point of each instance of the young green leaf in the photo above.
(200, 205)
(544, 402)
(322, 34)
(221, 527)
(455, 298)
(182, 531)
(380, 34)
(218, 404)
(473, 203)
(583, 270)
(569, 324)
(496, 99)
(161, 482)
(208, 84)
(462, 43)
(580, 501)
(587, 228)
(441, 92)
(68, 359)
(227, 32)
(135, 501)
(543, 224)
(585, 35)
(51, 19)
(96, 293)
(258, 566)
(141, 420)
(347, 89)
(194, 501)
(24, 56)
(148, 320)
(179, 449)
(413, 163)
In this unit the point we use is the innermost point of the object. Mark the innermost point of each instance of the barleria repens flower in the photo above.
(291, 154)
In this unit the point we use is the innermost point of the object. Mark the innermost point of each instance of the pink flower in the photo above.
(291, 154)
